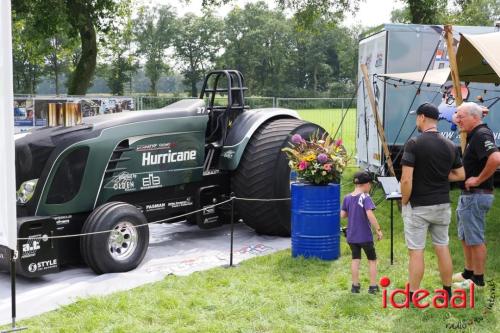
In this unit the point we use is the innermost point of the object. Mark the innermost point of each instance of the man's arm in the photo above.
(343, 214)
(457, 175)
(491, 166)
(406, 184)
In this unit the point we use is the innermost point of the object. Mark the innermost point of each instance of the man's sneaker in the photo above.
(373, 289)
(465, 284)
(355, 289)
(458, 277)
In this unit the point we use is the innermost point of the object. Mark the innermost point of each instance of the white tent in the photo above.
(435, 76)
(8, 225)
(478, 60)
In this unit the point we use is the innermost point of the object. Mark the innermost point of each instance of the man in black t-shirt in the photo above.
(481, 159)
(429, 163)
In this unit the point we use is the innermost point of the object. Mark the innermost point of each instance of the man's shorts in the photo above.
(471, 216)
(417, 220)
(367, 247)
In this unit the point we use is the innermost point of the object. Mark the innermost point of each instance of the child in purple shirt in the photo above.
(358, 208)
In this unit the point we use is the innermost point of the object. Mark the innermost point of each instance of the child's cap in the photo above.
(362, 177)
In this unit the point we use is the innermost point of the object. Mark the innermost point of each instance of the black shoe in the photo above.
(373, 289)
(355, 289)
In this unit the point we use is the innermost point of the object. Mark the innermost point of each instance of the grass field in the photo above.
(331, 120)
(276, 293)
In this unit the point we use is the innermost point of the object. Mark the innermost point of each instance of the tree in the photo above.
(421, 12)
(197, 42)
(401, 15)
(119, 63)
(475, 12)
(28, 60)
(464, 12)
(58, 56)
(307, 11)
(259, 42)
(154, 30)
(86, 17)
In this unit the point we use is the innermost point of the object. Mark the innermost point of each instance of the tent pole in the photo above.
(448, 33)
(380, 128)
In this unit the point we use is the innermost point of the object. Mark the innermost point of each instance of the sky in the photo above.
(371, 12)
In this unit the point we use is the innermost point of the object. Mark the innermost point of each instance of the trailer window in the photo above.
(68, 178)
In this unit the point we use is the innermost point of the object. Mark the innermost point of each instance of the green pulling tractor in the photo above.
(119, 171)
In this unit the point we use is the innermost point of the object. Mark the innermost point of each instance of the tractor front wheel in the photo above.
(123, 247)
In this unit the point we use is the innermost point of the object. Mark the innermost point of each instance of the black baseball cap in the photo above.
(428, 110)
(362, 177)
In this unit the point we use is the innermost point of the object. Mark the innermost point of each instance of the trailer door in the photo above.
(372, 53)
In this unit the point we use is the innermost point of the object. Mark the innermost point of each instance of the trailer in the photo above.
(402, 48)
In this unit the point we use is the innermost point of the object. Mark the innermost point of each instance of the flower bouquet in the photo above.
(320, 161)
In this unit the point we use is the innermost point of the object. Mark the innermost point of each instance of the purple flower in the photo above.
(297, 139)
(322, 158)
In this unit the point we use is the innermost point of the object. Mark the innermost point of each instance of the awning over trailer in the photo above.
(478, 60)
(436, 76)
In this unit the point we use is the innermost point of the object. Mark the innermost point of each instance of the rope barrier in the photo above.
(155, 222)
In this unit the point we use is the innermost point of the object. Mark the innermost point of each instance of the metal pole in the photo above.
(13, 293)
(392, 231)
(13, 286)
(232, 231)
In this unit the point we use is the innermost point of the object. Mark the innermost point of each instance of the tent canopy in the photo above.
(478, 60)
(435, 76)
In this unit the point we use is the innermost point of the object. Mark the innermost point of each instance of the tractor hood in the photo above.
(34, 148)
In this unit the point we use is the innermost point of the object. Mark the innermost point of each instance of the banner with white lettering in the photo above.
(8, 225)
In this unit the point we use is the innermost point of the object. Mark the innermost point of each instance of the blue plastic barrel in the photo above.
(316, 221)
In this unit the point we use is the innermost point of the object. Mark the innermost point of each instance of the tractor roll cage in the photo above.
(221, 117)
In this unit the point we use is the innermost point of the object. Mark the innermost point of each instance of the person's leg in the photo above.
(372, 265)
(479, 262)
(416, 268)
(439, 217)
(478, 254)
(444, 263)
(371, 255)
(355, 271)
(474, 235)
(356, 258)
(415, 228)
(463, 215)
(467, 256)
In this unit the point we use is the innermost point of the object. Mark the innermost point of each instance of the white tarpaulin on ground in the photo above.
(8, 226)
(179, 249)
(478, 60)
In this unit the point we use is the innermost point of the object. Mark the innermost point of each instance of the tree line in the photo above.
(277, 55)
(75, 43)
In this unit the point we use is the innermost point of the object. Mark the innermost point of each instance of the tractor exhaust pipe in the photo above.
(67, 114)
(52, 115)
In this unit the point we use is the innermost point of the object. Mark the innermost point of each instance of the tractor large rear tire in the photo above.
(263, 173)
(123, 248)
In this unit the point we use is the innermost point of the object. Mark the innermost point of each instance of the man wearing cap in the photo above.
(429, 163)
(481, 159)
